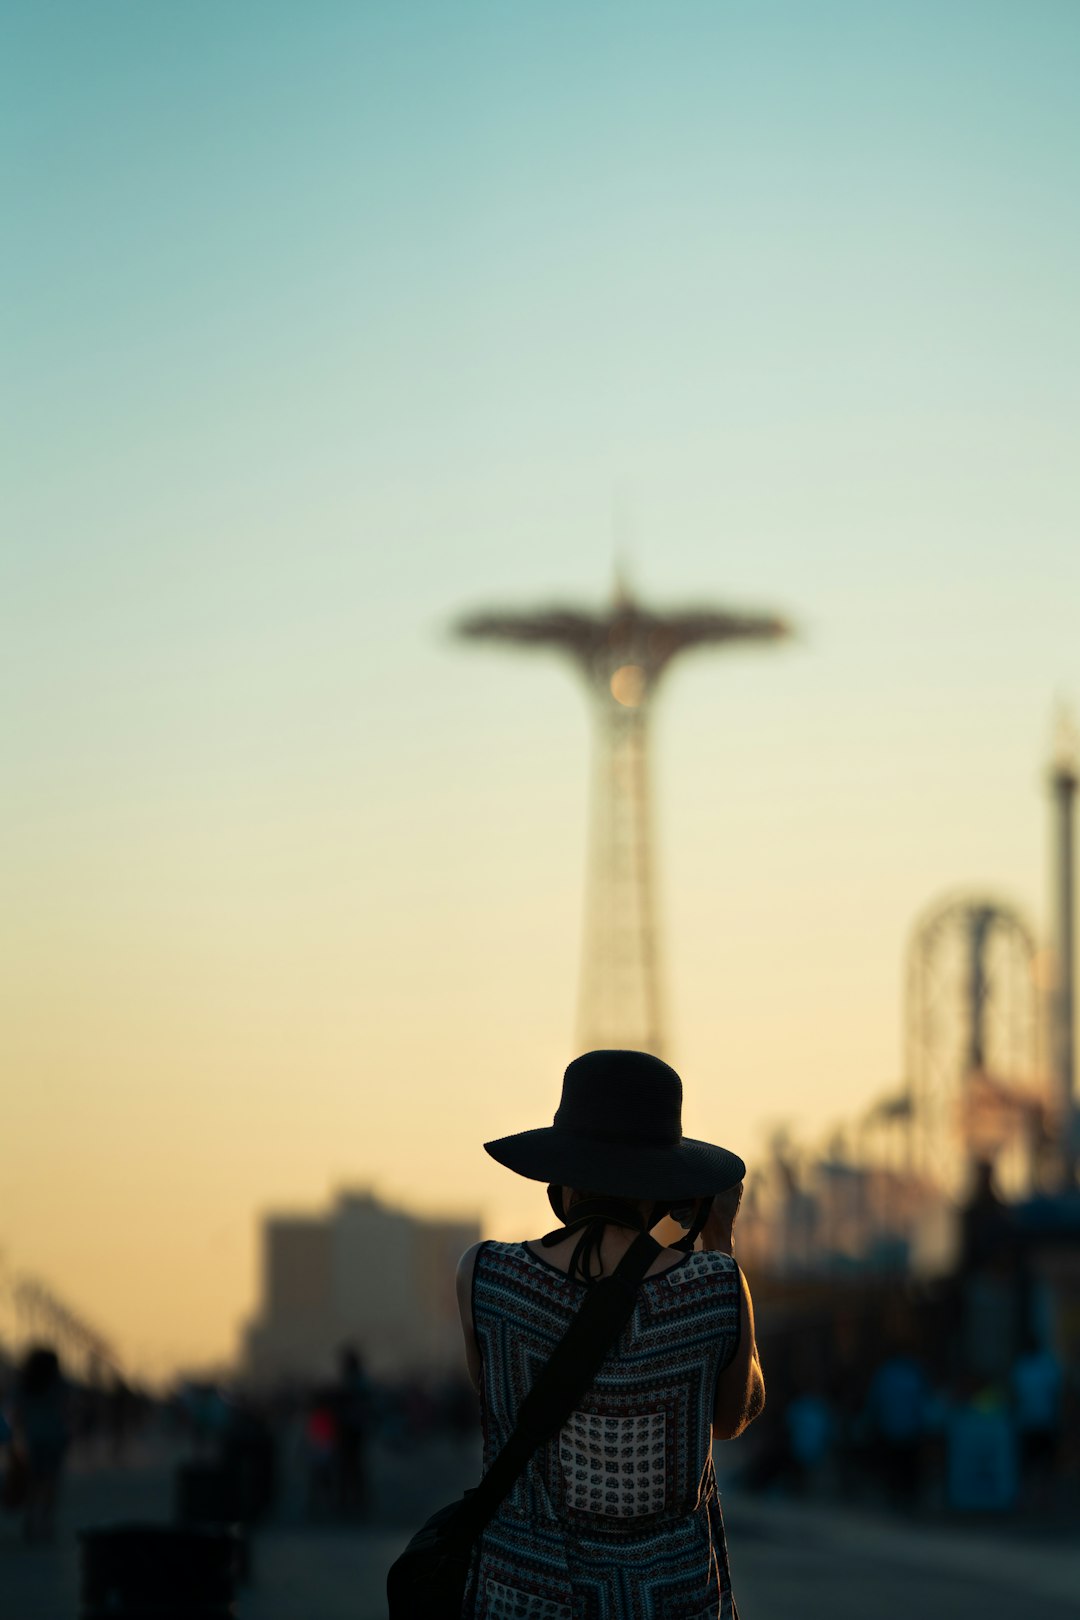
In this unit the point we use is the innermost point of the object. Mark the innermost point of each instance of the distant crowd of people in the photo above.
(238, 1447)
(322, 1435)
(889, 1425)
(976, 1444)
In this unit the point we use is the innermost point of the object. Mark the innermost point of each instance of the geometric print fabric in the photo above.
(617, 1517)
(614, 1466)
(507, 1603)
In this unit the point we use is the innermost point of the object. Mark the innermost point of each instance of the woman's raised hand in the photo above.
(719, 1230)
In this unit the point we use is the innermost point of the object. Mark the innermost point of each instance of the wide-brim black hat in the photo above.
(618, 1130)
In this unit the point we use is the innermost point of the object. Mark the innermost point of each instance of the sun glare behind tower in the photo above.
(621, 655)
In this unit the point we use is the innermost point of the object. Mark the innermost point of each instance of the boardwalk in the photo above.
(789, 1562)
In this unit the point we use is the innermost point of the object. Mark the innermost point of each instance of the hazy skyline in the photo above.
(325, 324)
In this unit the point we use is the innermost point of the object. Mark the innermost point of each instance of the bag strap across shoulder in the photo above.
(565, 1377)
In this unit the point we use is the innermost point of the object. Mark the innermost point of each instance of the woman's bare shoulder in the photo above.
(467, 1265)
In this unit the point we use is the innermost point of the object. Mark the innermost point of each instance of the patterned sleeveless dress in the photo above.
(617, 1517)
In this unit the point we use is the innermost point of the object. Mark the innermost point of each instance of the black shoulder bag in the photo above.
(429, 1577)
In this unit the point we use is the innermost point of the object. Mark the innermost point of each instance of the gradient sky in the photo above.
(323, 323)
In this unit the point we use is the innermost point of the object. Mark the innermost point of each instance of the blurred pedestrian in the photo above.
(321, 1451)
(41, 1436)
(354, 1417)
(120, 1407)
(896, 1413)
(810, 1427)
(1038, 1386)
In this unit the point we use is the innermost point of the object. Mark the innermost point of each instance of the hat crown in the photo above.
(622, 1097)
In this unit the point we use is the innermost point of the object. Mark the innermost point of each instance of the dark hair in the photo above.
(40, 1371)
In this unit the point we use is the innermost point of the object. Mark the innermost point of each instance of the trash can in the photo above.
(158, 1572)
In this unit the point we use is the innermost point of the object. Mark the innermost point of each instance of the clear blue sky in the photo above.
(323, 322)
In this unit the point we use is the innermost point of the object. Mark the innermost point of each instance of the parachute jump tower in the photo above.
(621, 655)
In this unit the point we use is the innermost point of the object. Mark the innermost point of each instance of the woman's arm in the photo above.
(466, 1267)
(740, 1389)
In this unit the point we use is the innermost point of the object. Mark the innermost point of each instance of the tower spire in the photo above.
(621, 655)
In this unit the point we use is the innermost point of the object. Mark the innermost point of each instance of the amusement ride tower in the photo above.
(621, 655)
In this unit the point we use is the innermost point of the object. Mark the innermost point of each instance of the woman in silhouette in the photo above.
(41, 1435)
(618, 1516)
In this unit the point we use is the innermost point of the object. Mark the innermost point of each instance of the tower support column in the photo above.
(620, 1001)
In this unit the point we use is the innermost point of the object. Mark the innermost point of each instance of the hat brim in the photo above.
(691, 1170)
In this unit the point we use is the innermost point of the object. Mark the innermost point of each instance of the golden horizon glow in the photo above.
(293, 880)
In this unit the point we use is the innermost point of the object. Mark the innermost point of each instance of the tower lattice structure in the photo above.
(621, 655)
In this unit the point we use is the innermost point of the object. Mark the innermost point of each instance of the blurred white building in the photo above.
(366, 1275)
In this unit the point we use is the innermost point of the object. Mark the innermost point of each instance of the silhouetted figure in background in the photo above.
(12, 1479)
(321, 1449)
(1037, 1390)
(41, 1438)
(354, 1414)
(896, 1403)
(811, 1428)
(121, 1411)
(249, 1461)
(987, 1231)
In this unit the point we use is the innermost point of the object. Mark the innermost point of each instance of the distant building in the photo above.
(363, 1274)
